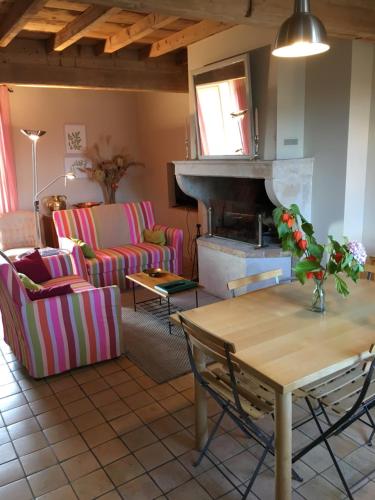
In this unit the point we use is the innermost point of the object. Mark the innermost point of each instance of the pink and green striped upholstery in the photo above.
(112, 264)
(78, 223)
(50, 336)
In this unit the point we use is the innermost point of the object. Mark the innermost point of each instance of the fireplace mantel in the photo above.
(286, 181)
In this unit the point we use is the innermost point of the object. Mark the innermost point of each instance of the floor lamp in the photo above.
(70, 176)
(34, 136)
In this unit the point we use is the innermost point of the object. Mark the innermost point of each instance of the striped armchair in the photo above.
(115, 232)
(50, 336)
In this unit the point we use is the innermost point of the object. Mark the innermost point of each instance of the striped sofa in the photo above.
(115, 232)
(50, 336)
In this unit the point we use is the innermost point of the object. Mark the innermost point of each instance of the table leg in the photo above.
(283, 446)
(196, 298)
(135, 304)
(201, 424)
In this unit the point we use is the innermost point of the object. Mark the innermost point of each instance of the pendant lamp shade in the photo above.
(302, 34)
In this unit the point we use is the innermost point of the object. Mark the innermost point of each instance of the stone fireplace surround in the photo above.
(286, 181)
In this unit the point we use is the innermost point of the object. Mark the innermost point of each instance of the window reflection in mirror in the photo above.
(224, 112)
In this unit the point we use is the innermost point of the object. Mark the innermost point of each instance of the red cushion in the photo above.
(53, 291)
(33, 266)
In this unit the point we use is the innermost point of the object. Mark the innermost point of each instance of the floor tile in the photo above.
(7, 453)
(161, 391)
(151, 412)
(318, 487)
(116, 378)
(38, 460)
(18, 490)
(140, 488)
(85, 374)
(94, 386)
(127, 389)
(139, 400)
(224, 447)
(62, 383)
(4, 436)
(10, 471)
(126, 423)
(214, 482)
(139, 438)
(114, 410)
(9, 389)
(16, 414)
(175, 403)
(179, 443)
(107, 367)
(88, 420)
(153, 455)
(70, 395)
(31, 442)
(79, 407)
(99, 434)
(47, 480)
(188, 491)
(43, 405)
(123, 470)
(64, 493)
(37, 393)
(69, 447)
(60, 432)
(165, 426)
(170, 475)
(110, 451)
(12, 402)
(51, 418)
(24, 427)
(111, 495)
(80, 465)
(93, 485)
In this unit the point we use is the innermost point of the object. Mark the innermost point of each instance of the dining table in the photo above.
(286, 345)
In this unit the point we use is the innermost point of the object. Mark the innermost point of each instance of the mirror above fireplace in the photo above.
(224, 112)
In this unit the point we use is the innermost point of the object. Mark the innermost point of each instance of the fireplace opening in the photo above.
(239, 208)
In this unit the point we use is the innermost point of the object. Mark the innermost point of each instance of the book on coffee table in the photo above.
(176, 286)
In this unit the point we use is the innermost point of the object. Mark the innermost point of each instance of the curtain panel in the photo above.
(8, 183)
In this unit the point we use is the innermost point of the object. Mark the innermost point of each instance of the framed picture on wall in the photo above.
(75, 164)
(75, 139)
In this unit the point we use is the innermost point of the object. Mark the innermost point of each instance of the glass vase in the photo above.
(319, 297)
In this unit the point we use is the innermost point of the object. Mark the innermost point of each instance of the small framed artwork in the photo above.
(75, 139)
(76, 164)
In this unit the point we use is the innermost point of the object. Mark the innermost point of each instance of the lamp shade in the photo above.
(302, 34)
(33, 134)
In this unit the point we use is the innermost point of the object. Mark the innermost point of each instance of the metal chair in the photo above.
(349, 394)
(238, 283)
(240, 395)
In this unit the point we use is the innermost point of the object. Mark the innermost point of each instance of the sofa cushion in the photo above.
(130, 257)
(112, 226)
(46, 293)
(77, 283)
(140, 216)
(33, 266)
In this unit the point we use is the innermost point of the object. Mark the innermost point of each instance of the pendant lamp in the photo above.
(302, 34)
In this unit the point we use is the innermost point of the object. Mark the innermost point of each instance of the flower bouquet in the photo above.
(108, 169)
(318, 261)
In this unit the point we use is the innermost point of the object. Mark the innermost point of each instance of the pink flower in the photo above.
(358, 251)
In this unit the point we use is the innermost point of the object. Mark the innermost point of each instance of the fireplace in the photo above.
(240, 196)
(241, 210)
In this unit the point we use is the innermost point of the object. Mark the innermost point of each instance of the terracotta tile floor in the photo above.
(108, 431)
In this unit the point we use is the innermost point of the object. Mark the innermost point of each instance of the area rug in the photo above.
(147, 341)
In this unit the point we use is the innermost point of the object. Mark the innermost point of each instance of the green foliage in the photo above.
(316, 260)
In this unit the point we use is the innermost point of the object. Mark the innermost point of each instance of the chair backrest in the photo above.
(370, 270)
(234, 285)
(17, 230)
(11, 283)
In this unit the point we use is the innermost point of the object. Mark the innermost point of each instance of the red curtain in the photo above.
(8, 184)
(238, 91)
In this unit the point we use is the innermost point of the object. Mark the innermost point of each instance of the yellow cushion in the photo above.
(156, 237)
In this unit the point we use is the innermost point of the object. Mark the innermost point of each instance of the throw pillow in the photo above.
(156, 237)
(53, 291)
(28, 283)
(33, 266)
(88, 252)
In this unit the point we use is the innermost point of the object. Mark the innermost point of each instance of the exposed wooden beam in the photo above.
(186, 37)
(81, 25)
(136, 31)
(347, 18)
(14, 21)
(26, 62)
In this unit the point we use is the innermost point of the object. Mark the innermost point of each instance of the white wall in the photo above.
(162, 122)
(103, 113)
(326, 134)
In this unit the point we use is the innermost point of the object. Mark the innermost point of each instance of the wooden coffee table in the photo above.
(149, 283)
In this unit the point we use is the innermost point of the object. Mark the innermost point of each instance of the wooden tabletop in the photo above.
(150, 282)
(286, 344)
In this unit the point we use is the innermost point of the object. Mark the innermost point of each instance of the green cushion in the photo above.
(29, 283)
(156, 237)
(88, 252)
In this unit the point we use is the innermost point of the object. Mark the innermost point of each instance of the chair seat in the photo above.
(340, 390)
(77, 283)
(129, 258)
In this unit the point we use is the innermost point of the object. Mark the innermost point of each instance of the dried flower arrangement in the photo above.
(108, 169)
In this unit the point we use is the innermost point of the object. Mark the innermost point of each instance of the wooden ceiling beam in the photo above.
(185, 37)
(137, 31)
(346, 18)
(81, 25)
(14, 21)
